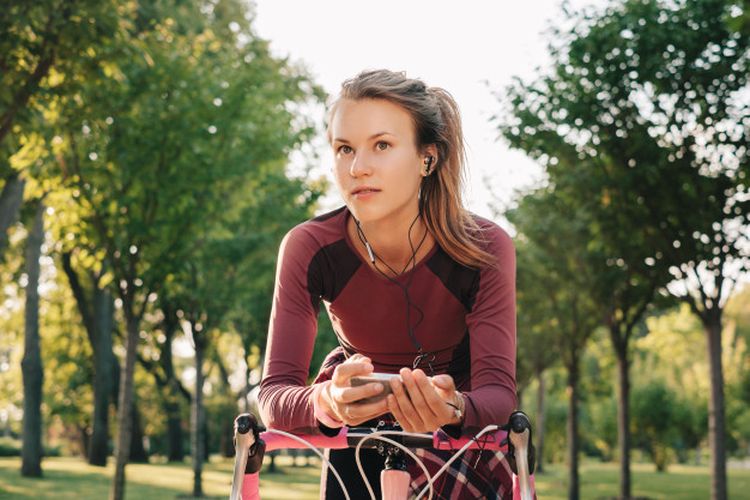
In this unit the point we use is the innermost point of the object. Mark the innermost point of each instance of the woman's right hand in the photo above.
(340, 399)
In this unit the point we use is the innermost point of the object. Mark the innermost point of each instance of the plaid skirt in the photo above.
(476, 474)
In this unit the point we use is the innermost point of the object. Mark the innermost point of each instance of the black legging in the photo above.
(346, 465)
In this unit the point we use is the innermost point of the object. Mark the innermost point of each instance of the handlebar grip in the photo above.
(246, 423)
(519, 422)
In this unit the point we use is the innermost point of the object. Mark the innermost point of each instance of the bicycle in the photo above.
(512, 439)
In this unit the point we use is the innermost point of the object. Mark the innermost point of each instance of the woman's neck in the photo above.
(390, 241)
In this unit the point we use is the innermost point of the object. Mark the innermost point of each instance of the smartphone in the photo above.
(380, 378)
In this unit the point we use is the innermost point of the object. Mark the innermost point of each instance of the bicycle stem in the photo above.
(520, 442)
(244, 438)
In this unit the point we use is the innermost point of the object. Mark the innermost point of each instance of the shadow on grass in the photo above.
(69, 478)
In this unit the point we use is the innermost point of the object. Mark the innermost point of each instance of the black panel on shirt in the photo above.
(461, 281)
(330, 270)
(459, 366)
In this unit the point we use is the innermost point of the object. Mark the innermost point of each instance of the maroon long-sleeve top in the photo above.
(469, 321)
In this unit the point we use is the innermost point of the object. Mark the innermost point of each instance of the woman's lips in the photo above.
(365, 193)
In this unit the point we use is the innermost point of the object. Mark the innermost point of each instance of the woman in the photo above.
(412, 282)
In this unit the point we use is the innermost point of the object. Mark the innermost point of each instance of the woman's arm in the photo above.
(284, 400)
(492, 329)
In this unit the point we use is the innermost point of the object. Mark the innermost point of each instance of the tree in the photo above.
(161, 367)
(96, 307)
(647, 96)
(625, 280)
(33, 375)
(176, 117)
(557, 238)
(536, 328)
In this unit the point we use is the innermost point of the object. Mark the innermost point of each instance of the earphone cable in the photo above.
(421, 354)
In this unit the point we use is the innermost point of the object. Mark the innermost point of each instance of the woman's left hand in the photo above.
(421, 403)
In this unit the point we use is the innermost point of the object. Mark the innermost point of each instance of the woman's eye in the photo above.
(345, 149)
(382, 146)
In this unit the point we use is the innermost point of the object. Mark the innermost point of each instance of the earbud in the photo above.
(428, 164)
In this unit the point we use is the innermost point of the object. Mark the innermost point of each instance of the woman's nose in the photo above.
(360, 166)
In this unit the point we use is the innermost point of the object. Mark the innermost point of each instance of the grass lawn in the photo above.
(71, 478)
(599, 481)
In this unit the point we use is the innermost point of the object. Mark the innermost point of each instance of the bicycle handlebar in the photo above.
(251, 443)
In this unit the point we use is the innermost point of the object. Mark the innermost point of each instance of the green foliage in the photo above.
(556, 264)
(10, 447)
(160, 134)
(642, 114)
(42, 41)
(659, 421)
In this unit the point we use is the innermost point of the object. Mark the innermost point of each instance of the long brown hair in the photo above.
(437, 120)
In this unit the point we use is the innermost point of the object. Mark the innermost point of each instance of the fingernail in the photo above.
(376, 387)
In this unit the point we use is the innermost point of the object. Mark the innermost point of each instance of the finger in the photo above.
(352, 394)
(415, 393)
(345, 371)
(444, 382)
(358, 358)
(361, 412)
(409, 412)
(399, 415)
(436, 412)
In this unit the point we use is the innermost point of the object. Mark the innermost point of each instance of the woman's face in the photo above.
(378, 167)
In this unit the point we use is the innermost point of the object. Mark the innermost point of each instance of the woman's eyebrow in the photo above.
(373, 136)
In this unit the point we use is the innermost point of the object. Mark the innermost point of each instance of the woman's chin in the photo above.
(363, 214)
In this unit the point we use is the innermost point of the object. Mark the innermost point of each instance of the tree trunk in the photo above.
(124, 420)
(138, 453)
(98, 319)
(573, 486)
(716, 421)
(623, 418)
(175, 452)
(226, 443)
(539, 431)
(31, 365)
(85, 440)
(196, 420)
(11, 199)
(104, 360)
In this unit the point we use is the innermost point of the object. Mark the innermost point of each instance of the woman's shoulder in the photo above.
(491, 236)
(317, 232)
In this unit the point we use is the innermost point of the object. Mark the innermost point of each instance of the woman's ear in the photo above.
(430, 160)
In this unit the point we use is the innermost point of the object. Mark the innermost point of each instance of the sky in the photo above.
(471, 48)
